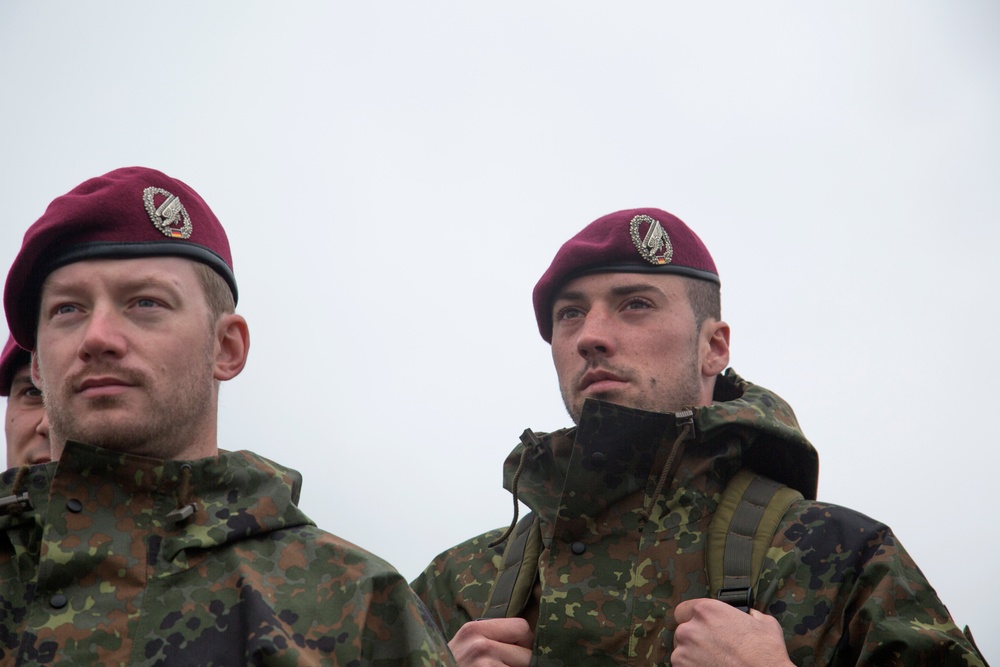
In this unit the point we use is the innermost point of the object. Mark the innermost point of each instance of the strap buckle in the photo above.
(741, 597)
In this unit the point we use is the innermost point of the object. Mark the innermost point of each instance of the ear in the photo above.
(36, 377)
(232, 345)
(715, 348)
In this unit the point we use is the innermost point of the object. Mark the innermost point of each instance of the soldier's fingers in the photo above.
(496, 641)
(686, 610)
(506, 630)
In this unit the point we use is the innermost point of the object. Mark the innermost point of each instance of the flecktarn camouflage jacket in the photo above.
(92, 570)
(617, 559)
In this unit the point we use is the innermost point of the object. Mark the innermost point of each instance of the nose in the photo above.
(595, 336)
(103, 336)
(42, 428)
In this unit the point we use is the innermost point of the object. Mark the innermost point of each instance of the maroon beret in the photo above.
(639, 240)
(126, 213)
(14, 357)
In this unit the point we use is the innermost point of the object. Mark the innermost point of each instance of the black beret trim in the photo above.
(645, 268)
(105, 250)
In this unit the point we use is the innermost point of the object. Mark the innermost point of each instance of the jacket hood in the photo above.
(773, 442)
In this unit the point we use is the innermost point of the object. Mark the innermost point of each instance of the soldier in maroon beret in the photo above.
(145, 543)
(138, 228)
(26, 425)
(676, 522)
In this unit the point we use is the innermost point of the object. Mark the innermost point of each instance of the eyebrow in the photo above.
(619, 290)
(137, 283)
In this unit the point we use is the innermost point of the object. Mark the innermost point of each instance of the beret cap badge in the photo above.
(170, 216)
(654, 245)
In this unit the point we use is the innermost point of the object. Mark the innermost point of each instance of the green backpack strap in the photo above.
(741, 533)
(514, 582)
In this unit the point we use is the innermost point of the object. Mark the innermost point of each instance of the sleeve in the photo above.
(397, 629)
(847, 593)
(337, 604)
(456, 584)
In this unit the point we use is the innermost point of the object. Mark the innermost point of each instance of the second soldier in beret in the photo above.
(640, 546)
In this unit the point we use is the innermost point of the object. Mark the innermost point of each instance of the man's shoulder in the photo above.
(469, 564)
(329, 547)
(825, 547)
(308, 552)
(475, 550)
(456, 584)
(832, 566)
(287, 538)
(814, 524)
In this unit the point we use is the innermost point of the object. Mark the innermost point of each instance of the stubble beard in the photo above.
(671, 396)
(167, 430)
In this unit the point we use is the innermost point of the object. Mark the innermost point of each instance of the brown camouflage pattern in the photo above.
(842, 587)
(94, 574)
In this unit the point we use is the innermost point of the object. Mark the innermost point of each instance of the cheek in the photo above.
(48, 371)
(12, 424)
(563, 364)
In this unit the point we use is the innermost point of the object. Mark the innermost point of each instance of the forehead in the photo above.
(170, 271)
(597, 285)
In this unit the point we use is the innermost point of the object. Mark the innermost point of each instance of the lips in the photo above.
(100, 382)
(102, 385)
(597, 379)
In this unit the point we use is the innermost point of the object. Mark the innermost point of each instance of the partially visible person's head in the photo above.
(25, 425)
(631, 307)
(125, 291)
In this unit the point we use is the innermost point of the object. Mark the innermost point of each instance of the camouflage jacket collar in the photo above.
(235, 495)
(617, 451)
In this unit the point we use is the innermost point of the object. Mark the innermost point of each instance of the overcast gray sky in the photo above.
(394, 177)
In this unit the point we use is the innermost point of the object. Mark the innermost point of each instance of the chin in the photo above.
(609, 397)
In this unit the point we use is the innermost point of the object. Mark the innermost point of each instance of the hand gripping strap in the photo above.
(741, 533)
(514, 583)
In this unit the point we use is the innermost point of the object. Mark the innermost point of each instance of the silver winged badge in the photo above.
(169, 216)
(654, 245)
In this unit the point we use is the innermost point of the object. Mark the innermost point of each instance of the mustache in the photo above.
(599, 365)
(127, 375)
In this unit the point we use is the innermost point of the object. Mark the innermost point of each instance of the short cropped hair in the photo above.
(705, 300)
(217, 292)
